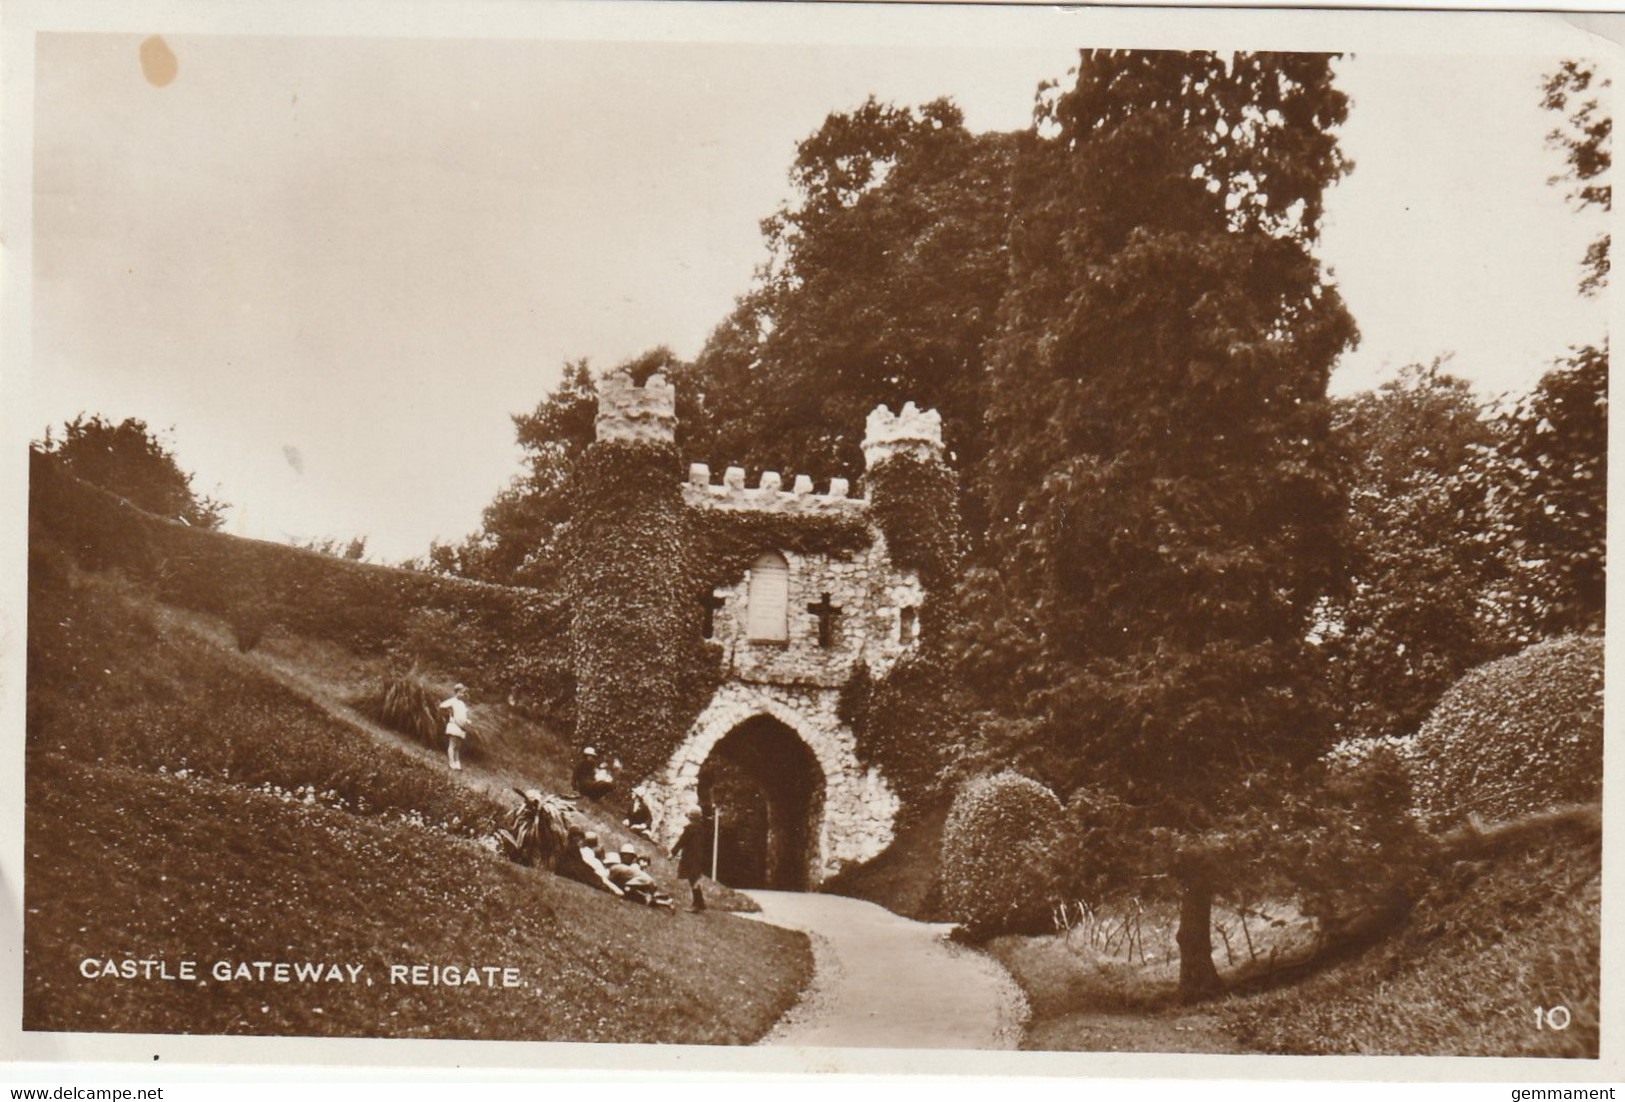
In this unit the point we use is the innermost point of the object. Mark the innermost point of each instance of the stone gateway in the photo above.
(769, 751)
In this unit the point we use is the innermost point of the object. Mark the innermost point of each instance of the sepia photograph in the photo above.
(905, 529)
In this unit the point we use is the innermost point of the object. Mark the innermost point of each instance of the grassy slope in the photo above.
(1490, 941)
(510, 750)
(379, 863)
(122, 864)
(1494, 938)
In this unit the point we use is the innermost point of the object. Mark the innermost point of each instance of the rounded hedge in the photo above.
(1515, 736)
(1002, 855)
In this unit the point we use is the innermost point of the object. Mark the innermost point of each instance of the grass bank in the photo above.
(1513, 927)
(188, 803)
(123, 865)
(1511, 922)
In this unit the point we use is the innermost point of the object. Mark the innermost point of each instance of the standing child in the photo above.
(456, 725)
(692, 850)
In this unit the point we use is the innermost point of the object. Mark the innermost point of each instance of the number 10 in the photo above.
(1556, 1019)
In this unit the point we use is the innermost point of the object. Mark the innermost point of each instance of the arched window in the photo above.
(769, 619)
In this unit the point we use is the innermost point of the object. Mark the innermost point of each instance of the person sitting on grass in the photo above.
(592, 852)
(579, 862)
(592, 776)
(640, 819)
(633, 878)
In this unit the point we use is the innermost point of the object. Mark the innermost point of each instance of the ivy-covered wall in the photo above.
(915, 502)
(906, 720)
(868, 581)
(634, 617)
(642, 565)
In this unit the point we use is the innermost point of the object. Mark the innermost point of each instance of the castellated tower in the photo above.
(716, 625)
(915, 433)
(630, 608)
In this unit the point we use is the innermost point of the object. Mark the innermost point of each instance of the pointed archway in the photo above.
(766, 785)
(851, 816)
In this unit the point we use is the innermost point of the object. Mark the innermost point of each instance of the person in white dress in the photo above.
(456, 725)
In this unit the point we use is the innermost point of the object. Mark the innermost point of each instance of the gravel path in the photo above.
(884, 981)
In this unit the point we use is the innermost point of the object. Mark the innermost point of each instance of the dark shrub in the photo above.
(1357, 854)
(1002, 856)
(406, 705)
(249, 622)
(1517, 735)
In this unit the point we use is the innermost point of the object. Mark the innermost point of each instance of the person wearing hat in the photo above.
(692, 849)
(591, 776)
(630, 875)
(456, 725)
(592, 858)
(640, 816)
(623, 870)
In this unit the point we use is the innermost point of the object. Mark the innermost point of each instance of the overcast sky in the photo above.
(336, 266)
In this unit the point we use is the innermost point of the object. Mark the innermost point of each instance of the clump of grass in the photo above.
(249, 622)
(537, 831)
(403, 703)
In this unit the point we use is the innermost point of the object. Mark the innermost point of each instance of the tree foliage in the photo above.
(1161, 475)
(1554, 469)
(1424, 557)
(1163, 481)
(1585, 137)
(1553, 482)
(881, 286)
(133, 462)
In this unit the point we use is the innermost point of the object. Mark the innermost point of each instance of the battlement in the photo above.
(644, 414)
(913, 432)
(769, 494)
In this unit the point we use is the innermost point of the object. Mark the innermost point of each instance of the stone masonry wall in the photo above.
(858, 805)
(797, 681)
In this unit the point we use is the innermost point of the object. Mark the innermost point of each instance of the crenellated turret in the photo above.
(644, 414)
(914, 432)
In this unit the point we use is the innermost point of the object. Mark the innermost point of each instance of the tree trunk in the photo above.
(1197, 976)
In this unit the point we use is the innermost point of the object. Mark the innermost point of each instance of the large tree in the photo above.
(1554, 499)
(1160, 465)
(1420, 609)
(1555, 473)
(882, 284)
(133, 462)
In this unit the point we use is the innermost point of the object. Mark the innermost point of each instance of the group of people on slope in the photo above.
(624, 873)
(594, 777)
